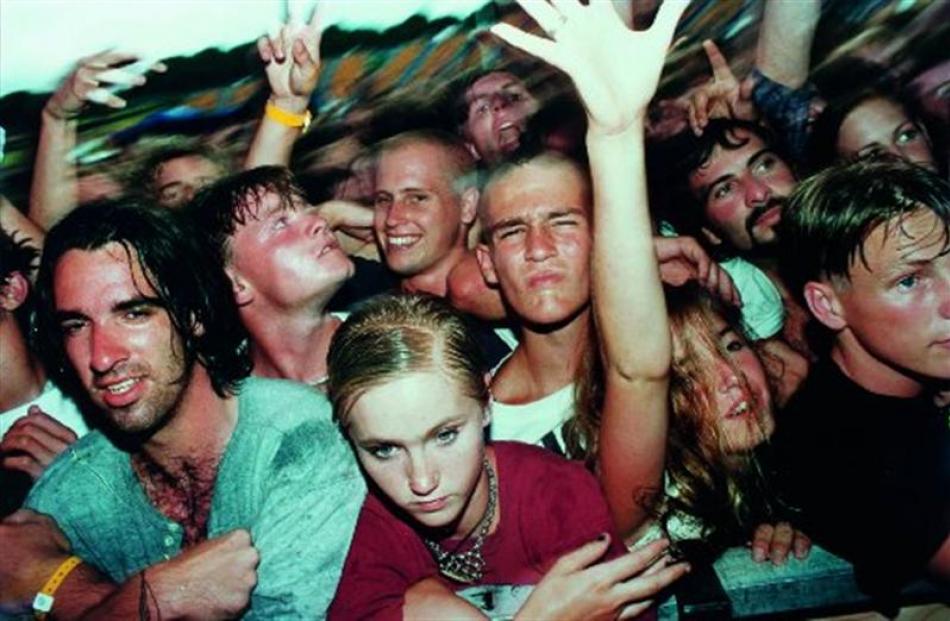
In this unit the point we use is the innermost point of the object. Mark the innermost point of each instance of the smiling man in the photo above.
(425, 206)
(864, 449)
(206, 494)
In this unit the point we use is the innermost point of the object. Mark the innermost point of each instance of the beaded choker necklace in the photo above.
(468, 567)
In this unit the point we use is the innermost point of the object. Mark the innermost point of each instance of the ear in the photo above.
(243, 294)
(471, 148)
(469, 205)
(713, 239)
(485, 264)
(823, 302)
(14, 292)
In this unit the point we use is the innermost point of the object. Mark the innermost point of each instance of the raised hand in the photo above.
(615, 69)
(292, 62)
(90, 81)
(682, 259)
(722, 96)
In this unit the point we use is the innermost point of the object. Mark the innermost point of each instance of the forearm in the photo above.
(633, 326)
(55, 190)
(786, 34)
(87, 594)
(631, 453)
(15, 223)
(627, 291)
(273, 141)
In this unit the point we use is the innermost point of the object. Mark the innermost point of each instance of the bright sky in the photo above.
(40, 40)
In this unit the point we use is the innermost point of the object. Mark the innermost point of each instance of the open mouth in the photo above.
(122, 393)
(509, 135)
(739, 410)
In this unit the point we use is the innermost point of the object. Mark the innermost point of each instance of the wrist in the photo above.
(54, 112)
(290, 103)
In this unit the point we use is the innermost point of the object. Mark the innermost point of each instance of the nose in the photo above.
(943, 293)
(396, 212)
(539, 244)
(316, 224)
(106, 350)
(423, 476)
(726, 376)
(756, 192)
(500, 101)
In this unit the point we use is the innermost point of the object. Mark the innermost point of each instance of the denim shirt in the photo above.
(287, 475)
(788, 110)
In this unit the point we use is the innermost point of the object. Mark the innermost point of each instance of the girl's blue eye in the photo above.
(447, 436)
(382, 451)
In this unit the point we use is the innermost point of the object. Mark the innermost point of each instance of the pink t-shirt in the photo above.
(548, 506)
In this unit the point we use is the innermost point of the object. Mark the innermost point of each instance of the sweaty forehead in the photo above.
(534, 187)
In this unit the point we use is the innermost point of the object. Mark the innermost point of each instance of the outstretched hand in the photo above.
(615, 70)
(90, 81)
(292, 62)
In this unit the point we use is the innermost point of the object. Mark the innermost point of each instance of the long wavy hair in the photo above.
(725, 493)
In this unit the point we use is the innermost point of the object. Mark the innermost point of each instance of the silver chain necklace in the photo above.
(468, 567)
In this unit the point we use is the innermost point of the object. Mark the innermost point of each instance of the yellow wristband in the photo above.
(43, 602)
(289, 119)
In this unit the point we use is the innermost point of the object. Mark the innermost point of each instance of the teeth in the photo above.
(742, 409)
(401, 241)
(121, 386)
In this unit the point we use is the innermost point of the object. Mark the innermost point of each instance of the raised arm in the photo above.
(54, 191)
(591, 45)
(292, 65)
(785, 37)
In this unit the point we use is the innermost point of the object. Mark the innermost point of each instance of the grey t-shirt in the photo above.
(287, 475)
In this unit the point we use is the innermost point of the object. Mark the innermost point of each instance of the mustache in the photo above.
(759, 211)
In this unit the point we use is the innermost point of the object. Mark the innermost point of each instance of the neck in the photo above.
(199, 429)
(550, 359)
(23, 376)
(435, 280)
(869, 372)
(475, 510)
(292, 346)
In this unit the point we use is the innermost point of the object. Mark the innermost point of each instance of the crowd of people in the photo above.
(531, 357)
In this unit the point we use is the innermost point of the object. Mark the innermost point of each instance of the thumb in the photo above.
(583, 556)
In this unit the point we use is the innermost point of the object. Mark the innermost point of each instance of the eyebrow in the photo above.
(170, 185)
(452, 420)
(552, 215)
(503, 87)
(125, 305)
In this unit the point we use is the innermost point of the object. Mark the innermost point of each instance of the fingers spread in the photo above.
(532, 44)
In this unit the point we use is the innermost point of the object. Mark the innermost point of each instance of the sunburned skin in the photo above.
(183, 496)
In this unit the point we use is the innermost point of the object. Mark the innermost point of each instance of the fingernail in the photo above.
(758, 554)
